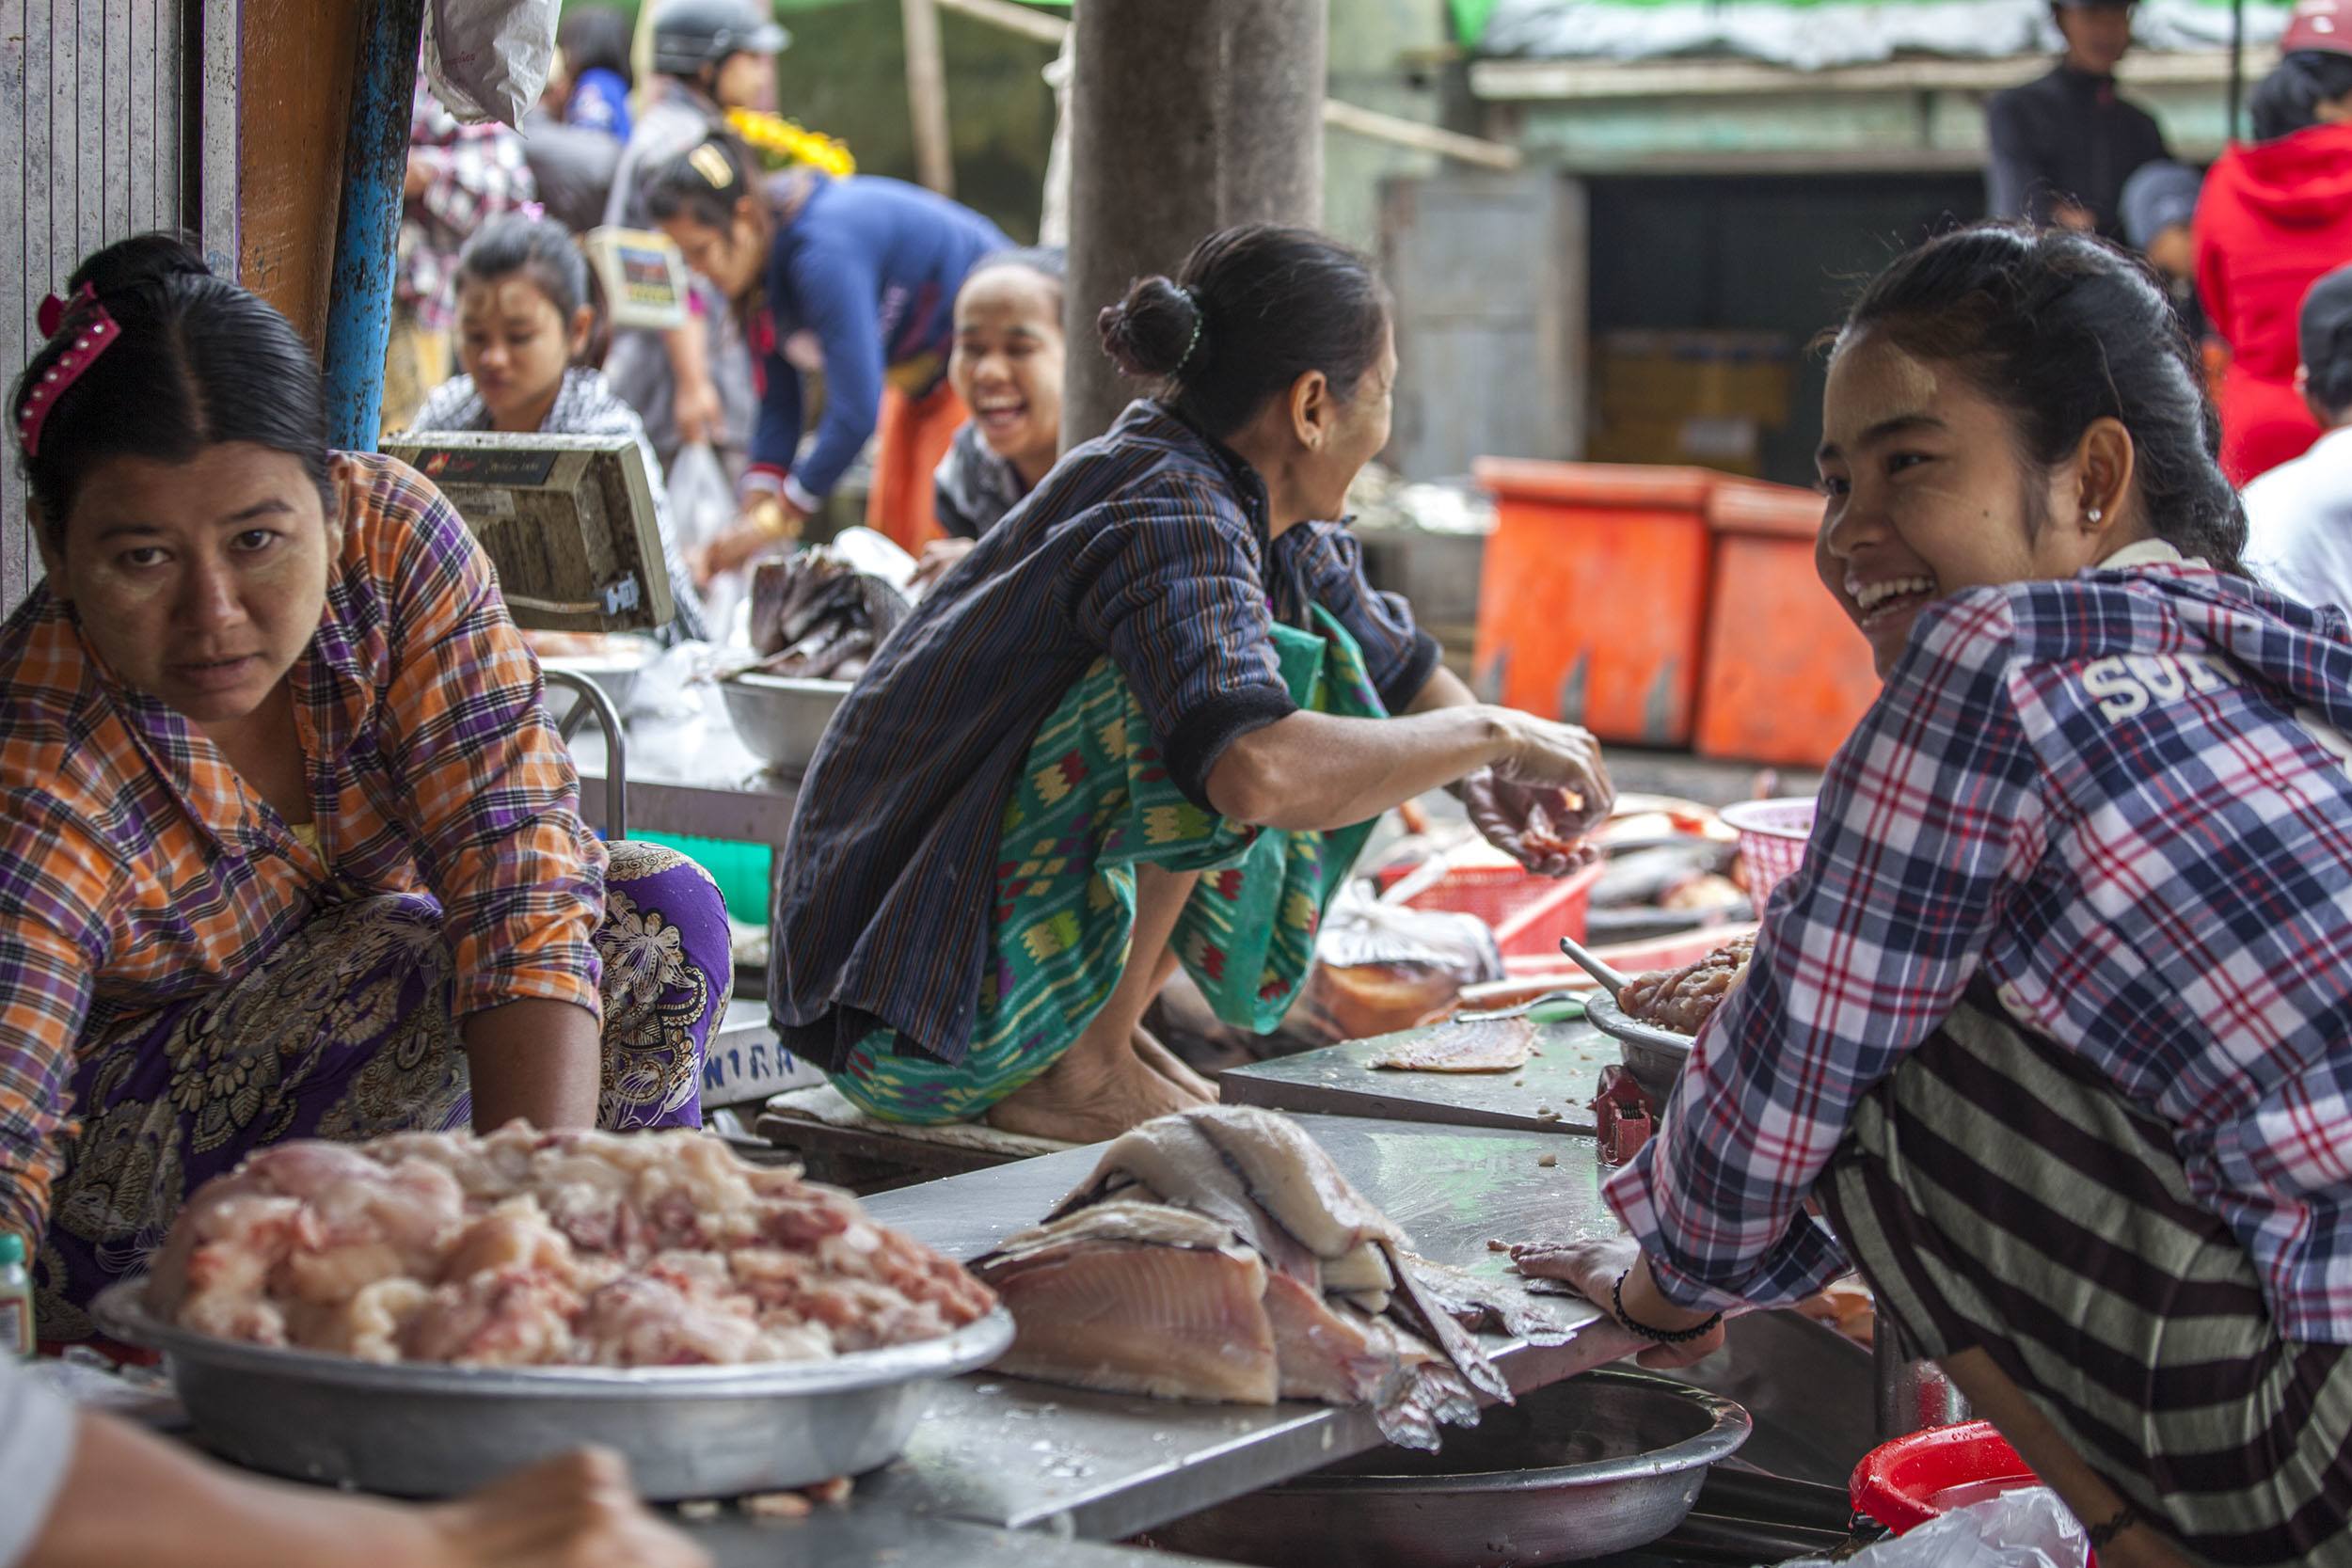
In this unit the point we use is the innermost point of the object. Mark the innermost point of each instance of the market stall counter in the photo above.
(697, 781)
(858, 1537)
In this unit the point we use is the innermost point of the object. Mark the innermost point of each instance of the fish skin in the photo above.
(1419, 1311)
(1293, 1179)
(1171, 1154)
(1490, 1045)
(812, 614)
(1147, 1224)
(1436, 1398)
(1485, 1306)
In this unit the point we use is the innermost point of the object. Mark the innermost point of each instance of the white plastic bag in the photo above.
(702, 507)
(488, 59)
(1380, 967)
(2026, 1528)
(702, 502)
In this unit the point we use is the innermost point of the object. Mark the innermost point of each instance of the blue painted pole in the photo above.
(367, 235)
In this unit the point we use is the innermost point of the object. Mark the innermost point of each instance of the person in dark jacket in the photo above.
(2276, 215)
(2063, 146)
(1147, 722)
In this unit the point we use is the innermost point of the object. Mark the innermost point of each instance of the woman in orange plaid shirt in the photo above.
(288, 846)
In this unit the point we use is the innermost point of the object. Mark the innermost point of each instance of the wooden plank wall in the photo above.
(121, 116)
(94, 135)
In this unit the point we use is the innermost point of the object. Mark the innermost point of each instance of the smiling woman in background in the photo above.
(288, 846)
(1006, 366)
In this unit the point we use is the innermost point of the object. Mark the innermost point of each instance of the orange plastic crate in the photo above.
(1591, 602)
(1529, 913)
(1785, 676)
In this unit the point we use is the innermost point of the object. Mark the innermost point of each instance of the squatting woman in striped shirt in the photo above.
(1143, 723)
(288, 848)
(2056, 1021)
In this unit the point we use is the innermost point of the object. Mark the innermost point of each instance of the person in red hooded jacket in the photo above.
(2277, 215)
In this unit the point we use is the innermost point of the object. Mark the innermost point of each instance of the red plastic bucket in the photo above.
(1925, 1475)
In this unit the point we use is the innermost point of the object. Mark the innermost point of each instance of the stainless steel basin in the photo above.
(780, 719)
(1600, 1464)
(616, 673)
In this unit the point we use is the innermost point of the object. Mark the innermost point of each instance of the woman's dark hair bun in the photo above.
(1150, 333)
(142, 258)
(1254, 310)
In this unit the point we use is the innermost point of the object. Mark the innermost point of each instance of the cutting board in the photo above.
(1339, 1081)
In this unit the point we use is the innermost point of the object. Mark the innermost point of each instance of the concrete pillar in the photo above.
(1186, 116)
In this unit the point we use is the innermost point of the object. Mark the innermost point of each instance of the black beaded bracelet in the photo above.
(1663, 1336)
(2101, 1534)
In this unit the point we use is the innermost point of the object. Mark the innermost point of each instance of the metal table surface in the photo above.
(1336, 1080)
(1001, 1450)
(859, 1536)
(693, 779)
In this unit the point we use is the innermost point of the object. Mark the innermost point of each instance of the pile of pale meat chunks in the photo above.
(529, 1248)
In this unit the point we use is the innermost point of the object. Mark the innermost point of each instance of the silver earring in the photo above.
(2096, 514)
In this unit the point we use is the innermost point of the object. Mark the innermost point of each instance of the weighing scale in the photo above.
(568, 522)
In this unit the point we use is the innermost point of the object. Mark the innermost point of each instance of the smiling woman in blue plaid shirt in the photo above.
(1140, 724)
(2054, 1025)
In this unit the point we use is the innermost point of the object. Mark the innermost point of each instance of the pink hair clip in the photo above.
(92, 336)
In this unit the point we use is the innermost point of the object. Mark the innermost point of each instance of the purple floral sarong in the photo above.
(344, 1032)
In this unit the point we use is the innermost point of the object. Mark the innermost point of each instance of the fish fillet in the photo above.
(1218, 1253)
(1494, 1045)
(1333, 1354)
(1108, 1298)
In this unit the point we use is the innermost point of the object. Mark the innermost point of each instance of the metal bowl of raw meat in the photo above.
(780, 717)
(418, 1429)
(1600, 1464)
(1653, 1055)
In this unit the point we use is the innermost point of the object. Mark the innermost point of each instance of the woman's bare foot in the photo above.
(1160, 1059)
(1091, 1095)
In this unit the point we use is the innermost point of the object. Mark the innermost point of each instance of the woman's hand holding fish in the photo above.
(1544, 796)
(1530, 823)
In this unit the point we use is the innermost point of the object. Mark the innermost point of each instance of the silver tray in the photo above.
(419, 1431)
(1653, 1055)
(1599, 1463)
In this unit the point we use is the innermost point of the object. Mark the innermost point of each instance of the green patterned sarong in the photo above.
(1093, 802)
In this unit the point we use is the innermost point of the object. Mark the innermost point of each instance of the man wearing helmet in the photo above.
(692, 383)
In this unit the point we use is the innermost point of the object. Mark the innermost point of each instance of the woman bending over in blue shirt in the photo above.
(868, 268)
